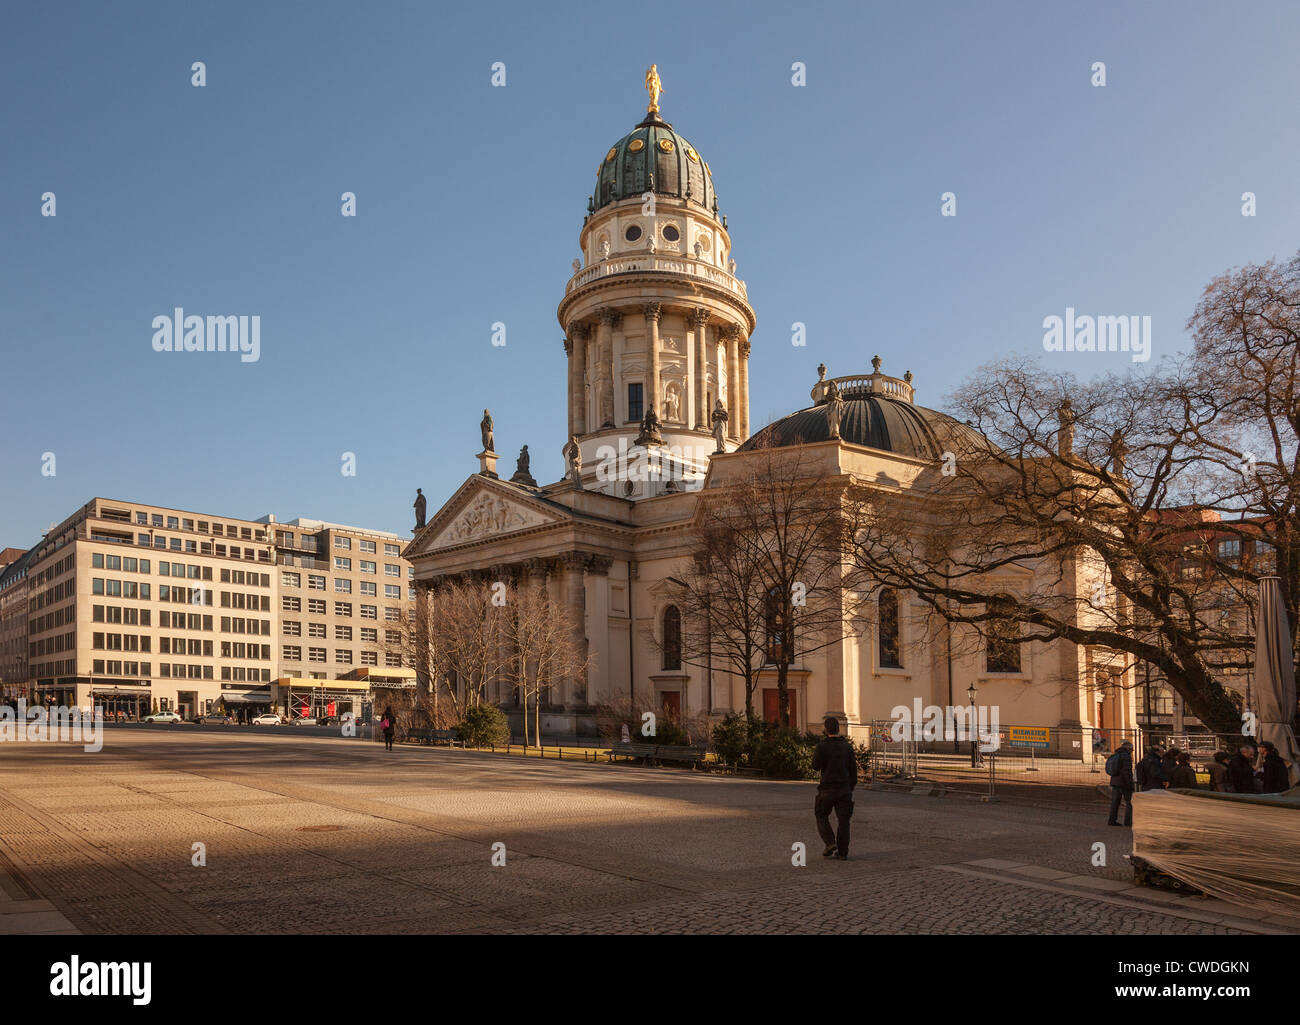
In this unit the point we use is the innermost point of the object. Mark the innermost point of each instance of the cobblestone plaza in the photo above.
(320, 835)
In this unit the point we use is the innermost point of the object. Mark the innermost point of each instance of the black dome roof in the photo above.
(653, 157)
(876, 421)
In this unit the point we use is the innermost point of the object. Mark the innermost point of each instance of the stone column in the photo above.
(699, 324)
(744, 388)
(653, 311)
(575, 597)
(605, 369)
(501, 574)
(731, 334)
(573, 387)
(599, 649)
(579, 333)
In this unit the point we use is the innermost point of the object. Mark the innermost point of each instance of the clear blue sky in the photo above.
(375, 329)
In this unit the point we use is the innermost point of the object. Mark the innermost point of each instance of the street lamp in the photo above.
(974, 751)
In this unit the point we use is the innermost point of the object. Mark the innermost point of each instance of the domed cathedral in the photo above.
(657, 325)
(657, 331)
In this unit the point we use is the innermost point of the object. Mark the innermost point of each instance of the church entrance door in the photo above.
(772, 708)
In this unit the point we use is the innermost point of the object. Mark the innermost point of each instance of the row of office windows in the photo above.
(342, 656)
(344, 544)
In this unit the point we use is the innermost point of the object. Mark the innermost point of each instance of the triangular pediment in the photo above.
(480, 510)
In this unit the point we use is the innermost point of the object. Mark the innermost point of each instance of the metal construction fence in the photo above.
(1054, 756)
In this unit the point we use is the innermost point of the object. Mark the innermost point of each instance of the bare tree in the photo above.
(542, 639)
(766, 580)
(1093, 512)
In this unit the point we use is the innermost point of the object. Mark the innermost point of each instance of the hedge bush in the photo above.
(484, 726)
(785, 754)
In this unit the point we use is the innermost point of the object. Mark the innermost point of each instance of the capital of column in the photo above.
(574, 561)
(568, 346)
(700, 316)
(608, 315)
(744, 347)
(579, 330)
(730, 332)
(537, 567)
(599, 564)
(653, 311)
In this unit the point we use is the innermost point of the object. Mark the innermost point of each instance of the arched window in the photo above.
(1002, 648)
(779, 647)
(888, 649)
(672, 638)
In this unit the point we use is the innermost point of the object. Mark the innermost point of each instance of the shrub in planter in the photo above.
(483, 726)
(731, 739)
(667, 731)
(784, 754)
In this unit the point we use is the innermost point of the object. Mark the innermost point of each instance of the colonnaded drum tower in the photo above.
(655, 319)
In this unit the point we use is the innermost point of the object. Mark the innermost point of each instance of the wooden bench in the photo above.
(449, 737)
(423, 736)
(692, 754)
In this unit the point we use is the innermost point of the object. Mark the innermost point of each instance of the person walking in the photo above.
(1241, 770)
(835, 758)
(389, 725)
(1169, 761)
(1150, 771)
(1218, 770)
(1275, 778)
(1184, 776)
(1120, 767)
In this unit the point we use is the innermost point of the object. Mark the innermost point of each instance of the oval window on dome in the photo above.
(636, 145)
(666, 145)
(610, 154)
(633, 232)
(690, 152)
(671, 233)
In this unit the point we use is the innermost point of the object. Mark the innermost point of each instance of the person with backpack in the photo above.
(1151, 770)
(1184, 776)
(1120, 768)
(389, 725)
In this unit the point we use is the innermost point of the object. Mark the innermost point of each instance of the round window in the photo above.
(671, 233)
(633, 232)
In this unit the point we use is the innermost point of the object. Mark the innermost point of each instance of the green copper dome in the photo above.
(653, 158)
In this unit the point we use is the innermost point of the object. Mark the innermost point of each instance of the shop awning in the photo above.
(234, 697)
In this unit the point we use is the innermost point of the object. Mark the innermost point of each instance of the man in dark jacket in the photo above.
(838, 763)
(1121, 785)
(1241, 770)
(1276, 778)
(1169, 760)
(1151, 770)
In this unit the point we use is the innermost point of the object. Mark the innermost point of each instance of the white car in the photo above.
(306, 720)
(163, 717)
(267, 719)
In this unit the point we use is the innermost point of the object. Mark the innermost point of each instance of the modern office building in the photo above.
(144, 608)
(343, 605)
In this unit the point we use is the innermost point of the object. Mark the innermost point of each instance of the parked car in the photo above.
(306, 720)
(267, 719)
(170, 717)
(214, 719)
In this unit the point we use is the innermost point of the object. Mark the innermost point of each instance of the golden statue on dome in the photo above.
(654, 87)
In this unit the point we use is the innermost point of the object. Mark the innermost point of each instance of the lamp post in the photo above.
(974, 731)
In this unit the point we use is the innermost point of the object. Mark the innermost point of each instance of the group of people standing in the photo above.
(1254, 769)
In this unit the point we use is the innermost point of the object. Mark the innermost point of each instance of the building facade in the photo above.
(658, 338)
(141, 608)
